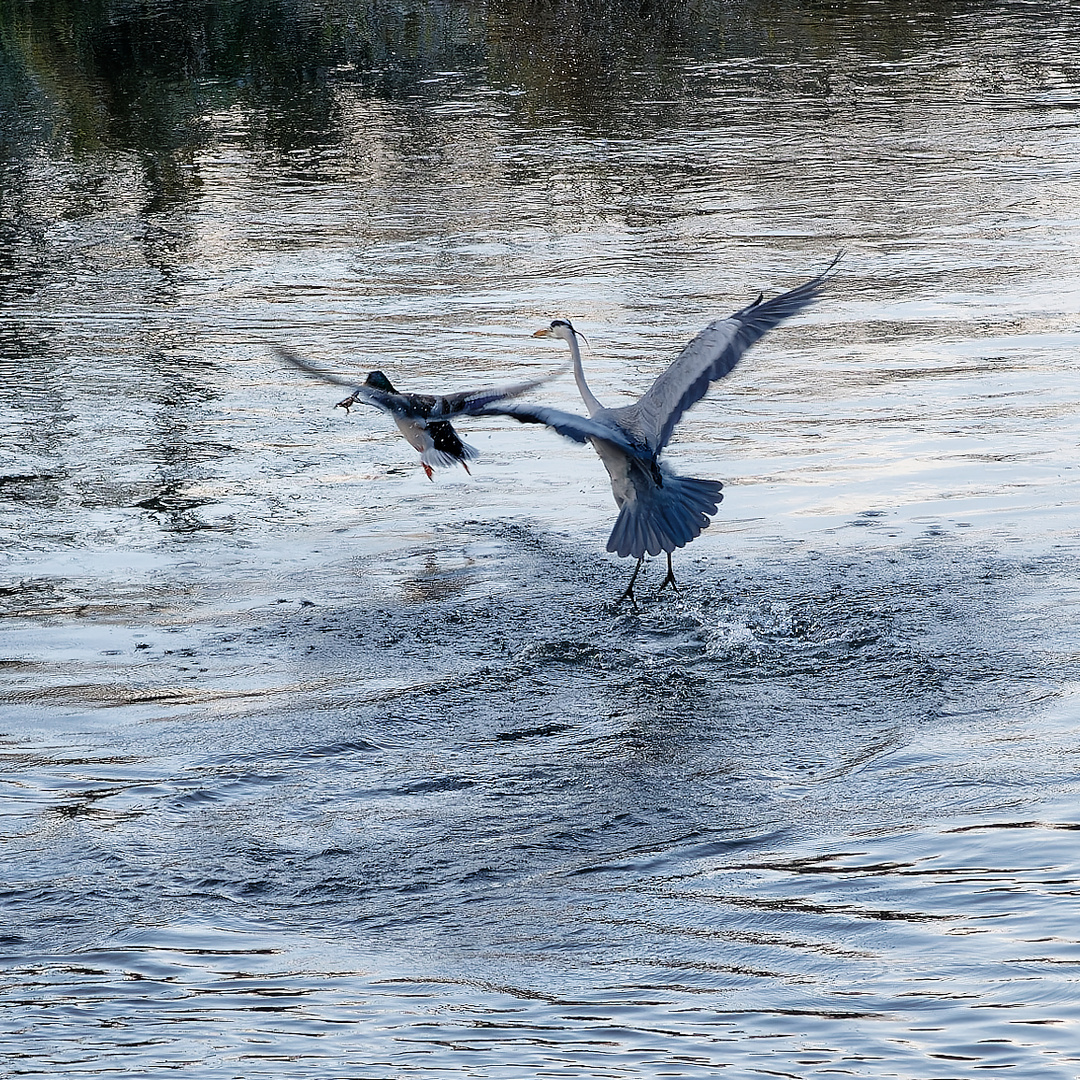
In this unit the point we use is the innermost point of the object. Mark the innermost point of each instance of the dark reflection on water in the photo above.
(99, 74)
(312, 767)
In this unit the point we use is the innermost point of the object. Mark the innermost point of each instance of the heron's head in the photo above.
(560, 328)
(378, 381)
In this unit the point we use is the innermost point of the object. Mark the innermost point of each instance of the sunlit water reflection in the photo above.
(314, 767)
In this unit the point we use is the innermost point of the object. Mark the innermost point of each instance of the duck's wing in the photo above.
(710, 356)
(295, 360)
(476, 402)
(360, 393)
(570, 425)
(417, 406)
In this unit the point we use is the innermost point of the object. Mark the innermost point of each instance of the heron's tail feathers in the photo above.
(670, 518)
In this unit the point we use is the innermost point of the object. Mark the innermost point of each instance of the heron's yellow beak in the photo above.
(546, 332)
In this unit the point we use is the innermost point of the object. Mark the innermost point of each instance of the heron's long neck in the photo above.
(587, 395)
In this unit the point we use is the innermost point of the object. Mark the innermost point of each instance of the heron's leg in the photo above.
(629, 594)
(670, 579)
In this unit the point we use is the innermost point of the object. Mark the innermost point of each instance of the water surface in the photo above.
(313, 767)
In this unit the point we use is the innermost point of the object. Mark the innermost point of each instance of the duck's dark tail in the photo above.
(448, 448)
(666, 517)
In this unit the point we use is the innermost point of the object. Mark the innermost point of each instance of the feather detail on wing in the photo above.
(570, 425)
(710, 356)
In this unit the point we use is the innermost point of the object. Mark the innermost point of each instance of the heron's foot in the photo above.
(629, 593)
(670, 579)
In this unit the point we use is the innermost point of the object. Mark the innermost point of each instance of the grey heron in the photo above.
(424, 419)
(659, 511)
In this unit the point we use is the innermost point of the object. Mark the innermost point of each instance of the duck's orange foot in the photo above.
(427, 469)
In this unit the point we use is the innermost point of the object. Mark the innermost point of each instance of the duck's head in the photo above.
(378, 381)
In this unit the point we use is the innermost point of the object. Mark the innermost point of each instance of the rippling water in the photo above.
(313, 767)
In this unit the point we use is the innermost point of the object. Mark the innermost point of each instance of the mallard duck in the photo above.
(421, 418)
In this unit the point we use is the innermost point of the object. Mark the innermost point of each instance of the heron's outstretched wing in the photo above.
(465, 403)
(710, 356)
(570, 425)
